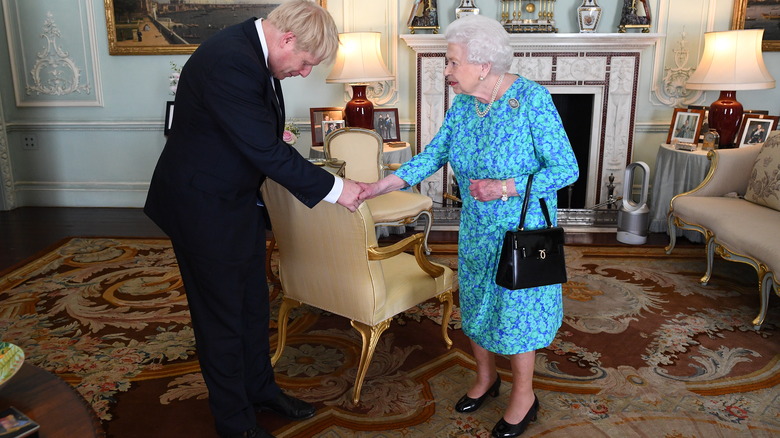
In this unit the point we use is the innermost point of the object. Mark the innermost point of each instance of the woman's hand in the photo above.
(384, 185)
(484, 190)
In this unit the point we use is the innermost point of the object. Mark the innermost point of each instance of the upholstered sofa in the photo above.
(737, 209)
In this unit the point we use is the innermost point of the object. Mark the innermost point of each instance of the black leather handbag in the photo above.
(532, 258)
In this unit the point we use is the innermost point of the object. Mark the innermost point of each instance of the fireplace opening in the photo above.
(576, 111)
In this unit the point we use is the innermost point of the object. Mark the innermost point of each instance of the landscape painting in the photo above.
(158, 27)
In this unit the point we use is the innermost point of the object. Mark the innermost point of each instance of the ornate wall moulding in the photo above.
(54, 64)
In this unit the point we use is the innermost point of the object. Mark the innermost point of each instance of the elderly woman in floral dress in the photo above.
(501, 129)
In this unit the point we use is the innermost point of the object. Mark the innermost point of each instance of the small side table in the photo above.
(52, 403)
(676, 171)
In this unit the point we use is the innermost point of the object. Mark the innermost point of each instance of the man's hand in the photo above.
(350, 195)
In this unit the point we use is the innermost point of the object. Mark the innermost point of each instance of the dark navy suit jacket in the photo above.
(225, 140)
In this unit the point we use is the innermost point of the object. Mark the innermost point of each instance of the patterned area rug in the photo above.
(645, 351)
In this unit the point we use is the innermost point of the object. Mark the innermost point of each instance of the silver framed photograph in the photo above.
(319, 115)
(329, 126)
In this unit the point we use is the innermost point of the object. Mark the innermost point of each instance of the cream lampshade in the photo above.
(358, 62)
(732, 60)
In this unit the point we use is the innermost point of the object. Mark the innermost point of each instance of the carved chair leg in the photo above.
(710, 260)
(370, 335)
(269, 273)
(446, 299)
(764, 289)
(284, 311)
(672, 230)
(427, 230)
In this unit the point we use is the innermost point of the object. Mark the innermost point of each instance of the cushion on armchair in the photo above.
(764, 184)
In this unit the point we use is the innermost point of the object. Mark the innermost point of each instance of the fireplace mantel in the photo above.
(605, 65)
(426, 43)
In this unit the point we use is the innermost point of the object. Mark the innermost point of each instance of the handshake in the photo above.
(355, 192)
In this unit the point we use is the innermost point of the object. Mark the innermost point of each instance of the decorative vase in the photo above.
(588, 15)
(466, 7)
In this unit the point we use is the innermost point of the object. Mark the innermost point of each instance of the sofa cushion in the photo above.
(764, 184)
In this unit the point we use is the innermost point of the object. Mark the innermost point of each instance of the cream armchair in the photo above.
(329, 259)
(361, 149)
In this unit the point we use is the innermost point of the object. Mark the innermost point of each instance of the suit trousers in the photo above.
(230, 316)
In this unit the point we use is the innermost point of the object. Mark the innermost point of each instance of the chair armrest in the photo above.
(729, 172)
(391, 166)
(415, 241)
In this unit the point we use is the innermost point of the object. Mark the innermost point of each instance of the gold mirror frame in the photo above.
(738, 22)
(115, 48)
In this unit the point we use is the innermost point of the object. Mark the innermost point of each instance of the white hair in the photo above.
(485, 40)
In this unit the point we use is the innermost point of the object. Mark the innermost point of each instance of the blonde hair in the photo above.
(314, 29)
(485, 40)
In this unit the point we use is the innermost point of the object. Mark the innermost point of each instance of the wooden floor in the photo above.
(26, 232)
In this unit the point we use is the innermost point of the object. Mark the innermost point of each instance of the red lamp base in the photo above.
(725, 117)
(359, 111)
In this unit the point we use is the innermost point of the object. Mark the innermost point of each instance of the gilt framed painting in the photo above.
(759, 14)
(166, 27)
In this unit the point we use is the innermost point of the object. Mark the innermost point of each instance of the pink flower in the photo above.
(289, 137)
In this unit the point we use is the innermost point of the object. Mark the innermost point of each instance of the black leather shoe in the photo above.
(254, 432)
(468, 404)
(286, 406)
(503, 429)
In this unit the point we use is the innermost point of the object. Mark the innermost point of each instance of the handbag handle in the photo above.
(542, 203)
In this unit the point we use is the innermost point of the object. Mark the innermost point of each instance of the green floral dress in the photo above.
(521, 135)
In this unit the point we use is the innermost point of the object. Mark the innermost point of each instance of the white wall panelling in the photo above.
(677, 55)
(53, 57)
(7, 198)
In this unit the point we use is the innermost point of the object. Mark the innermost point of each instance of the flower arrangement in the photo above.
(173, 78)
(291, 133)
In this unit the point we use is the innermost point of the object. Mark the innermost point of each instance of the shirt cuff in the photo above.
(335, 192)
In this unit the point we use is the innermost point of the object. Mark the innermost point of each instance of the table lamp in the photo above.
(358, 62)
(732, 61)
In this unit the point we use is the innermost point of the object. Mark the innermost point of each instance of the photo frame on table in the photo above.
(386, 124)
(134, 31)
(755, 128)
(319, 115)
(758, 14)
(329, 126)
(704, 108)
(685, 126)
(168, 117)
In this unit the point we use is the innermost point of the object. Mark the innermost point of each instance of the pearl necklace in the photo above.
(492, 99)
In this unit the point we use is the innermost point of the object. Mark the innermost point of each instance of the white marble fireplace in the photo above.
(604, 65)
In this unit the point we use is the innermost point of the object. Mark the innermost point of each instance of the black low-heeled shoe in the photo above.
(468, 404)
(502, 429)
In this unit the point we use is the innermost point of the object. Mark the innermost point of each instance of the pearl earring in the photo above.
(481, 78)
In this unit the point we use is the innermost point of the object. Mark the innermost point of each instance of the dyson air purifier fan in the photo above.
(633, 217)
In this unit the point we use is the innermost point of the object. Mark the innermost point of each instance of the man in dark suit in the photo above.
(226, 139)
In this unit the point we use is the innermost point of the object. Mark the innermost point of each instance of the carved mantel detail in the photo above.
(605, 65)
